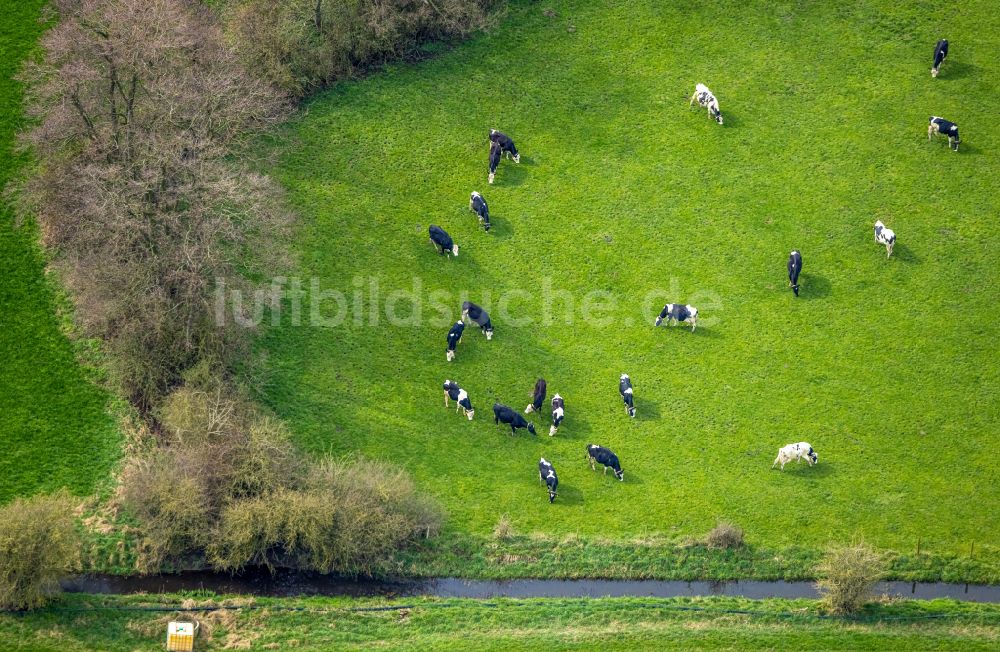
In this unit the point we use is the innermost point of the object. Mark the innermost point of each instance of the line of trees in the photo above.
(139, 113)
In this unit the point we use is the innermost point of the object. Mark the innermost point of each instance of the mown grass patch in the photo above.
(104, 623)
(54, 426)
(888, 367)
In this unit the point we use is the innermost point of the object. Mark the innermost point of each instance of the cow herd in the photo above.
(501, 145)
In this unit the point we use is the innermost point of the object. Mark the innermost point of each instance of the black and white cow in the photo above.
(495, 153)
(601, 455)
(798, 452)
(940, 52)
(794, 269)
(707, 100)
(625, 389)
(537, 397)
(676, 313)
(510, 416)
(885, 236)
(506, 145)
(460, 396)
(478, 206)
(945, 128)
(454, 337)
(558, 414)
(479, 317)
(547, 474)
(442, 241)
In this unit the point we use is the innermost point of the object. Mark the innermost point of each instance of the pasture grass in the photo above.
(54, 426)
(82, 622)
(888, 367)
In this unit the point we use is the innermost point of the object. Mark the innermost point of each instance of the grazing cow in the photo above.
(506, 145)
(442, 241)
(707, 100)
(602, 455)
(940, 52)
(537, 397)
(454, 337)
(495, 153)
(884, 236)
(794, 269)
(558, 413)
(478, 206)
(510, 416)
(547, 474)
(798, 452)
(479, 316)
(460, 396)
(945, 127)
(676, 313)
(625, 389)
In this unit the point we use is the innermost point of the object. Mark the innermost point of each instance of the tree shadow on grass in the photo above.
(814, 286)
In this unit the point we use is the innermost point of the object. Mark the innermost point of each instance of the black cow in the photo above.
(940, 52)
(547, 474)
(794, 269)
(941, 126)
(478, 206)
(676, 313)
(625, 389)
(558, 413)
(442, 241)
(604, 456)
(537, 397)
(506, 144)
(460, 396)
(478, 316)
(508, 415)
(454, 337)
(495, 153)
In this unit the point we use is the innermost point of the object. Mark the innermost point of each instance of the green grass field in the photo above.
(54, 427)
(101, 623)
(888, 367)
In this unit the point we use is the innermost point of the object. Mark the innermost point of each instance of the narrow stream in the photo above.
(287, 584)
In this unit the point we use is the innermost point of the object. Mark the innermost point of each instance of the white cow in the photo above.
(707, 100)
(885, 236)
(798, 452)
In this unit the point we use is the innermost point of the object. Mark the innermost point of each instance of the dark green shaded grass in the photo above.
(54, 428)
(103, 623)
(888, 367)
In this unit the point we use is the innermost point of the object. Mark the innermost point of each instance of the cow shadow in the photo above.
(956, 70)
(567, 495)
(905, 254)
(807, 472)
(814, 286)
(730, 119)
(647, 409)
(500, 228)
(510, 174)
(968, 150)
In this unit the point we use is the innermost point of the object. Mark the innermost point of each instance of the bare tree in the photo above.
(138, 107)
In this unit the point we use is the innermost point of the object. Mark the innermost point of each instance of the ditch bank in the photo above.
(260, 582)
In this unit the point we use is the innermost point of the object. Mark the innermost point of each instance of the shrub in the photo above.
(847, 577)
(39, 545)
(724, 535)
(504, 529)
(302, 45)
(346, 518)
